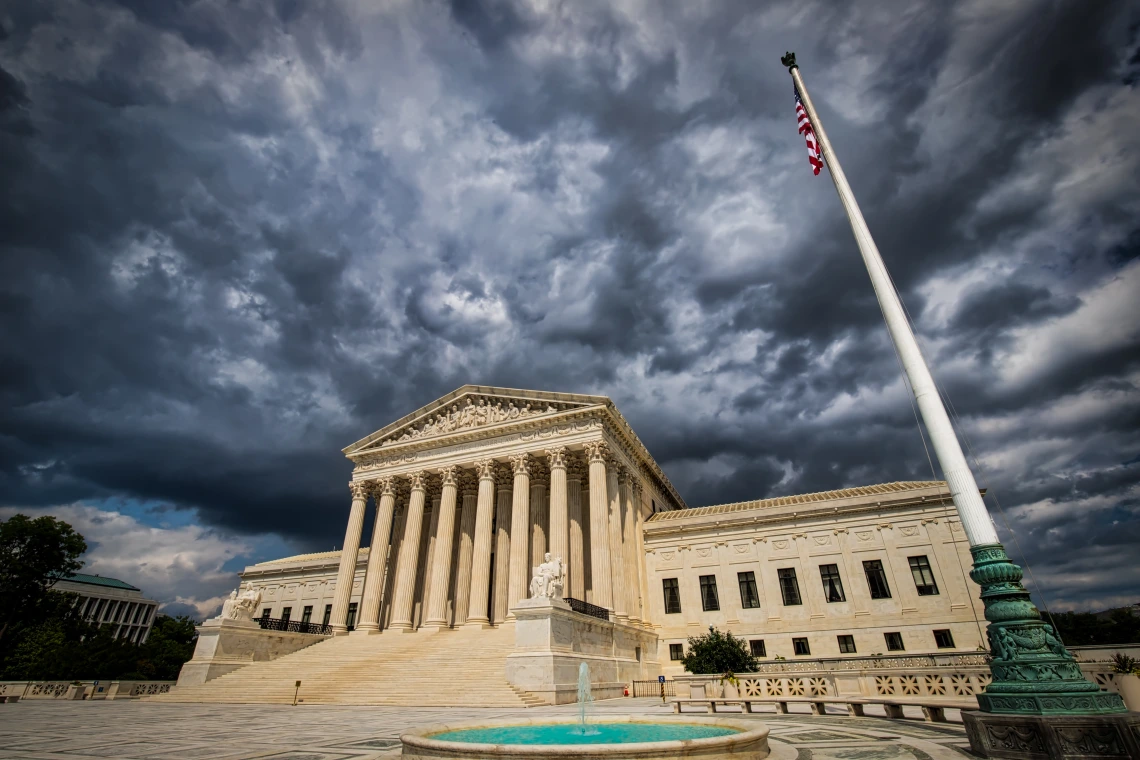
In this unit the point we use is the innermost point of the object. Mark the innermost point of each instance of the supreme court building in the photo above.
(469, 492)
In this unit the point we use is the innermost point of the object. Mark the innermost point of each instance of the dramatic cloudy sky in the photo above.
(238, 236)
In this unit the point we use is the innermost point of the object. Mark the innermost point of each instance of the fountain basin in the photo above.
(738, 739)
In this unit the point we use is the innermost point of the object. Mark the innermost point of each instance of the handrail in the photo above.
(586, 608)
(293, 626)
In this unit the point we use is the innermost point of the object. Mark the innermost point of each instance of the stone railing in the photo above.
(586, 608)
(82, 689)
(935, 676)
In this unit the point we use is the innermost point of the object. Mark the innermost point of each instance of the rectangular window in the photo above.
(749, 599)
(894, 641)
(138, 614)
(923, 577)
(847, 645)
(676, 651)
(266, 612)
(98, 610)
(801, 646)
(943, 639)
(709, 600)
(672, 596)
(286, 613)
(876, 579)
(350, 623)
(328, 614)
(757, 647)
(307, 614)
(789, 586)
(832, 585)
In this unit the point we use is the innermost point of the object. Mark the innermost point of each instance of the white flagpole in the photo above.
(963, 489)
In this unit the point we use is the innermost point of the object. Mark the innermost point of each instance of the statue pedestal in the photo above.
(224, 645)
(552, 641)
(1039, 737)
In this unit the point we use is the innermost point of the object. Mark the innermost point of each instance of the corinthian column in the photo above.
(599, 527)
(349, 553)
(639, 549)
(385, 494)
(632, 593)
(538, 515)
(470, 492)
(559, 521)
(519, 571)
(617, 562)
(481, 550)
(441, 552)
(576, 559)
(409, 551)
(503, 480)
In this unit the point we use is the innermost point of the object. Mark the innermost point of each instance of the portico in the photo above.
(470, 491)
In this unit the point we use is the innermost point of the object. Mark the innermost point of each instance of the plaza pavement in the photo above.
(51, 730)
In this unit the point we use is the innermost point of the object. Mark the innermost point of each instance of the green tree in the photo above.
(717, 652)
(170, 644)
(34, 554)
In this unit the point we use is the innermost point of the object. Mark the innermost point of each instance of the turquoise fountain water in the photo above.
(584, 731)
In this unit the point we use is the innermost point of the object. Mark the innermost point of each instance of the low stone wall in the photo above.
(934, 676)
(226, 645)
(552, 642)
(93, 690)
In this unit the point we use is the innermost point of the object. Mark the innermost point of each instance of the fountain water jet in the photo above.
(585, 700)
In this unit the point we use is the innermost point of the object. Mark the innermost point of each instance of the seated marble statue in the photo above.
(549, 579)
(241, 607)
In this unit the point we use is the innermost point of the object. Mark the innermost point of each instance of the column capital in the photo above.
(449, 475)
(521, 463)
(575, 468)
(597, 451)
(557, 457)
(637, 488)
(468, 483)
(359, 489)
(504, 480)
(624, 474)
(384, 486)
(485, 469)
(418, 480)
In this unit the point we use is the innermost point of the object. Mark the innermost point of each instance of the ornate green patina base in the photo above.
(1033, 672)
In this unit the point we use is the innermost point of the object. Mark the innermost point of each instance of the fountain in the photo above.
(585, 699)
(617, 737)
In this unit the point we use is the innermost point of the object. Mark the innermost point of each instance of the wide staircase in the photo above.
(463, 666)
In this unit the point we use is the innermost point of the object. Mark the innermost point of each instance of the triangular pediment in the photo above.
(472, 407)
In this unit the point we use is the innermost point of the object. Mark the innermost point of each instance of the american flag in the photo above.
(815, 158)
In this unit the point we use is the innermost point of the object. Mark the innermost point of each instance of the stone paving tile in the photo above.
(162, 731)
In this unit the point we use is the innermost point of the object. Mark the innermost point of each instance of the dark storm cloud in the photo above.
(238, 236)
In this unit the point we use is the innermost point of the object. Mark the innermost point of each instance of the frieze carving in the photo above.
(1090, 740)
(864, 535)
(704, 552)
(1025, 739)
(781, 543)
(822, 540)
(909, 530)
(477, 411)
(667, 555)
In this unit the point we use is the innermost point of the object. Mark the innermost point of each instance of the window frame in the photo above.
(676, 652)
(328, 614)
(749, 594)
(949, 638)
(873, 568)
(676, 589)
(796, 644)
(286, 613)
(920, 569)
(350, 618)
(832, 582)
(752, 648)
(846, 643)
(266, 612)
(307, 614)
(709, 582)
(786, 576)
(890, 642)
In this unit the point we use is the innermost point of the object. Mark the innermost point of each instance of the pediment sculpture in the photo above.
(549, 579)
(471, 413)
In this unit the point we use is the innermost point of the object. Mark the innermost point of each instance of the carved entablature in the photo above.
(474, 412)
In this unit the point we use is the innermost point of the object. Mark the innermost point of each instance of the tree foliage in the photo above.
(717, 652)
(34, 554)
(1088, 628)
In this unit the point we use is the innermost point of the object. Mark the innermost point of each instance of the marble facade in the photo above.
(466, 494)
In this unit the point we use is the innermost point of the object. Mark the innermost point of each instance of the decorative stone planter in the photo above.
(1129, 686)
